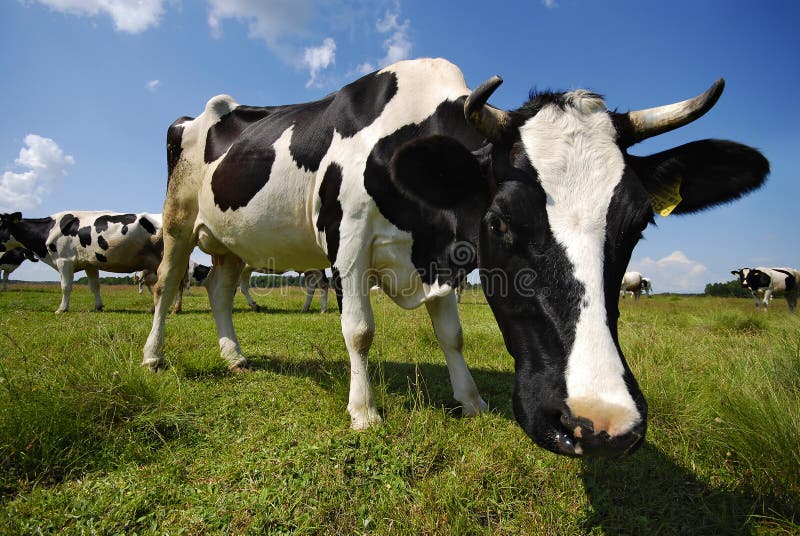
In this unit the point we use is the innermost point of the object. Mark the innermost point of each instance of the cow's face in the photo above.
(7, 241)
(741, 274)
(556, 218)
(756, 279)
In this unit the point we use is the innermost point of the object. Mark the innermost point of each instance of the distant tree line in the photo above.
(731, 289)
(123, 280)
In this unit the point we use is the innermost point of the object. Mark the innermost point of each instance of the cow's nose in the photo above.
(585, 441)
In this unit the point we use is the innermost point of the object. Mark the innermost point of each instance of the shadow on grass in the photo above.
(648, 493)
(495, 386)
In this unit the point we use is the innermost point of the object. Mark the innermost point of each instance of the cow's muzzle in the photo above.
(577, 437)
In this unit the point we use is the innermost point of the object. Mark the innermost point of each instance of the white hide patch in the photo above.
(579, 165)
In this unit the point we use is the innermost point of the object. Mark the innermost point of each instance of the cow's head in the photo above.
(741, 273)
(7, 240)
(554, 205)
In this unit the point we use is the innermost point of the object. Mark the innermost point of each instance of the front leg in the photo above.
(447, 326)
(221, 285)
(358, 328)
(66, 269)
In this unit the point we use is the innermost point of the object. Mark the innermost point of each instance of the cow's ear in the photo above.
(15, 217)
(700, 174)
(441, 172)
(736, 272)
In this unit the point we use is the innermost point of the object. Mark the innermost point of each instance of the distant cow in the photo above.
(767, 281)
(634, 283)
(10, 261)
(89, 241)
(312, 280)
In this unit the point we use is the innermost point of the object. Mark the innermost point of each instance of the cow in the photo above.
(10, 261)
(312, 280)
(634, 283)
(407, 177)
(765, 282)
(647, 286)
(86, 240)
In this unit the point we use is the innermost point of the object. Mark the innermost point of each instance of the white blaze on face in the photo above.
(579, 165)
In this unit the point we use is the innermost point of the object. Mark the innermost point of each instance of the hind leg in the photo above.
(93, 274)
(178, 244)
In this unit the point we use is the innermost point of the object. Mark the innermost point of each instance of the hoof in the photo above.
(255, 308)
(59, 311)
(99, 309)
(152, 364)
(362, 423)
(238, 366)
(470, 410)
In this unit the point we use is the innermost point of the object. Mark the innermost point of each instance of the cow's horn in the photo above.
(489, 121)
(643, 124)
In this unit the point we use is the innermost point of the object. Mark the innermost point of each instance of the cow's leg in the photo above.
(5, 280)
(178, 245)
(244, 288)
(791, 299)
(767, 297)
(447, 326)
(66, 270)
(221, 285)
(358, 328)
(323, 308)
(93, 274)
(309, 296)
(177, 306)
(636, 295)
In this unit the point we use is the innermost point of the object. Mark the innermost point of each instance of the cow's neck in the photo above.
(32, 233)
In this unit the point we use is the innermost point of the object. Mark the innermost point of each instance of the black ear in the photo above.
(736, 272)
(702, 174)
(439, 171)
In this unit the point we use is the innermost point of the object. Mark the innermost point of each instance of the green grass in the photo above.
(91, 443)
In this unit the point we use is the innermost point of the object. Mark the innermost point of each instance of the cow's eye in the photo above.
(497, 225)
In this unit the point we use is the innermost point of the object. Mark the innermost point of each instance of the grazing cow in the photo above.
(407, 177)
(767, 281)
(89, 241)
(634, 283)
(312, 280)
(10, 261)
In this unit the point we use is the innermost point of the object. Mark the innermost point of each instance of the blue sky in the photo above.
(90, 87)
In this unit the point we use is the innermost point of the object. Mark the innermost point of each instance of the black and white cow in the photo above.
(10, 261)
(89, 241)
(408, 177)
(765, 282)
(634, 283)
(312, 280)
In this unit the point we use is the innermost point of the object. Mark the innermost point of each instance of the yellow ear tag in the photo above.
(665, 201)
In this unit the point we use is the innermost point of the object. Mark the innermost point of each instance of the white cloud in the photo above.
(45, 163)
(674, 273)
(318, 58)
(268, 21)
(130, 16)
(152, 85)
(397, 46)
(550, 4)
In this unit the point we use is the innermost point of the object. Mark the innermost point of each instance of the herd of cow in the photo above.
(409, 179)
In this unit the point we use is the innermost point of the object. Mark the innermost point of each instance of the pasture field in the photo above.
(92, 443)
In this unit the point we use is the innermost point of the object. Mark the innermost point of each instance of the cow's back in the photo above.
(284, 186)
